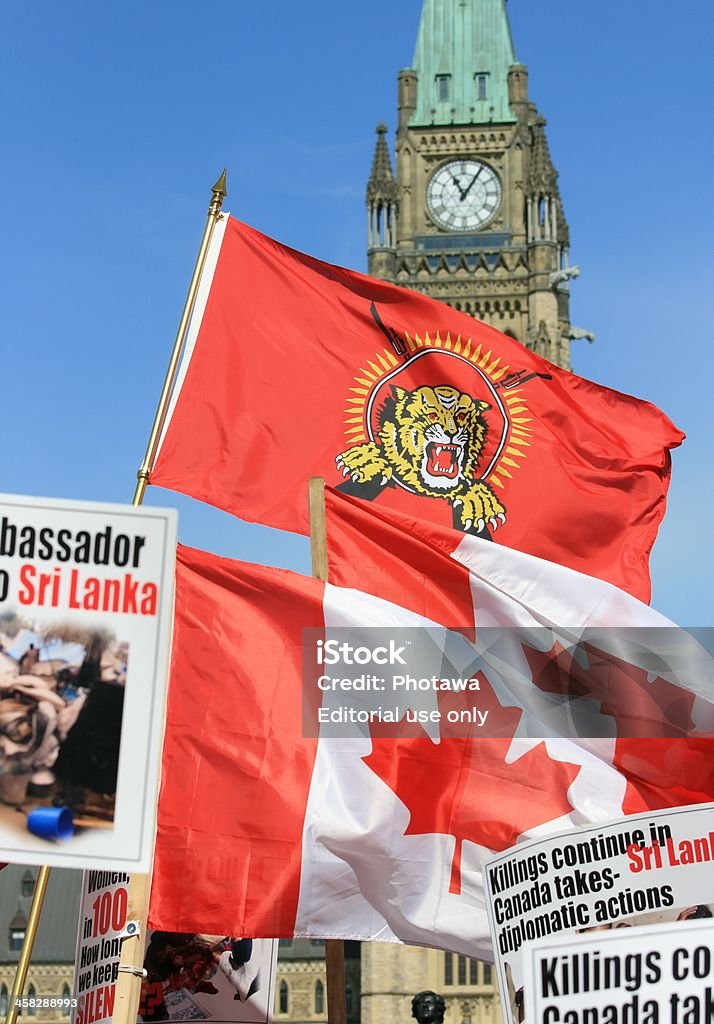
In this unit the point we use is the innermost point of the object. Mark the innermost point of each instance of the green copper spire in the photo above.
(463, 53)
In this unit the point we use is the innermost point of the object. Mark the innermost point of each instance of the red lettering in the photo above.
(27, 576)
(634, 853)
(671, 852)
(130, 589)
(73, 597)
(99, 1005)
(125, 595)
(90, 1007)
(109, 993)
(109, 911)
(91, 594)
(148, 599)
(119, 909)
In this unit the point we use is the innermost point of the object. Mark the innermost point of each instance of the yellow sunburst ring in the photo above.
(514, 404)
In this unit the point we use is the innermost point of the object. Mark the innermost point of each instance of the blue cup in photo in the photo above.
(51, 822)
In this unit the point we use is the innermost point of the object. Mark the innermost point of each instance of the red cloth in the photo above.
(291, 369)
(236, 770)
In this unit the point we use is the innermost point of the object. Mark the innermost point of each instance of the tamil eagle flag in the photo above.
(268, 829)
(294, 368)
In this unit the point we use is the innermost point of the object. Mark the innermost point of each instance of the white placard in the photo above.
(641, 870)
(86, 595)
(102, 922)
(657, 974)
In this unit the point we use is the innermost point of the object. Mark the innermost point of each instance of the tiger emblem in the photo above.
(430, 441)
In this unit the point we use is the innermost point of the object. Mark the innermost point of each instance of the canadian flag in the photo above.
(264, 831)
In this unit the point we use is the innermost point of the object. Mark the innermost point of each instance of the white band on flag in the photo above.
(199, 308)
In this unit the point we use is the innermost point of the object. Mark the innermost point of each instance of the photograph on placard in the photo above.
(61, 707)
(191, 976)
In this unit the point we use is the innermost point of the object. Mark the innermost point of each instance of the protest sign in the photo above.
(214, 978)
(657, 974)
(640, 870)
(85, 619)
(102, 921)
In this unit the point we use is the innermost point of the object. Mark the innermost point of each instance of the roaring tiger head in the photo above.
(433, 438)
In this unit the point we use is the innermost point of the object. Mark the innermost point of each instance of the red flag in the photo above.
(297, 368)
(263, 831)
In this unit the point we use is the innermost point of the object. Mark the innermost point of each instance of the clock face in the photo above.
(463, 195)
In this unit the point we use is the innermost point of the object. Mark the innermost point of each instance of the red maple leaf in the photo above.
(463, 785)
(665, 762)
(641, 707)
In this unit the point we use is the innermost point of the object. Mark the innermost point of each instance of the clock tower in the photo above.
(473, 216)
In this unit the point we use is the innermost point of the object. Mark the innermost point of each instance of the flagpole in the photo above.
(219, 193)
(334, 948)
(23, 963)
(131, 964)
(127, 992)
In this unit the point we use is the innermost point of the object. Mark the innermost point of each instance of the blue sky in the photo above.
(118, 118)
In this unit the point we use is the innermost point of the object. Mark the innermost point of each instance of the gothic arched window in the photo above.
(31, 996)
(66, 1000)
(319, 997)
(283, 1001)
(3, 1000)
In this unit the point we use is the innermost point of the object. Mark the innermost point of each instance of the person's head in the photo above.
(19, 731)
(428, 1007)
(16, 721)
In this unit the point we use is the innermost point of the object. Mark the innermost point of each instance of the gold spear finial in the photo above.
(220, 192)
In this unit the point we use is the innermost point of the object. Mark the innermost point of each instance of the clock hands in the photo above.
(464, 192)
(470, 185)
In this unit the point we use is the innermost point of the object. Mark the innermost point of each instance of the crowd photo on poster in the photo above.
(192, 976)
(61, 703)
